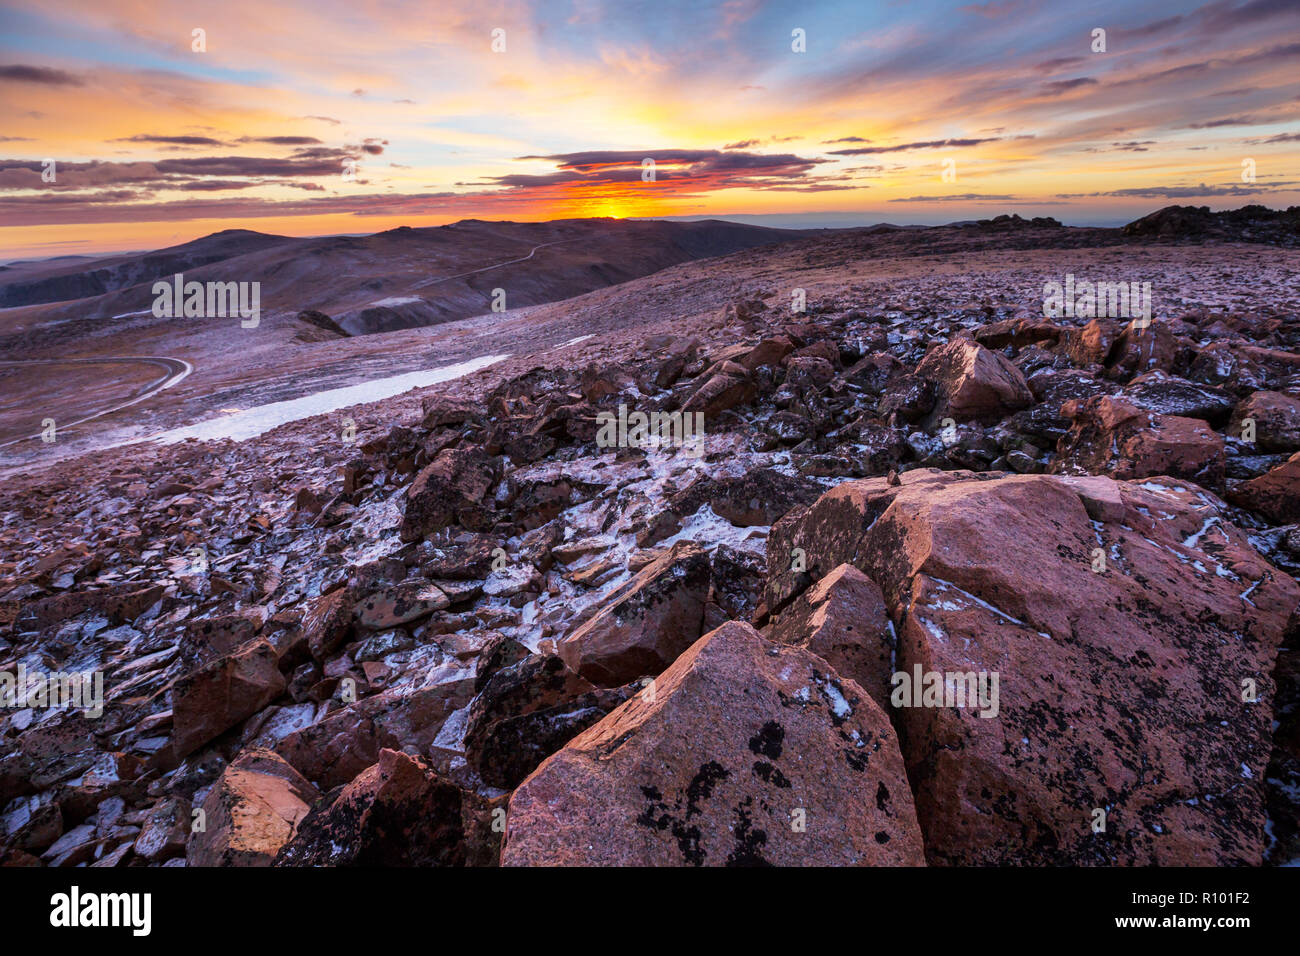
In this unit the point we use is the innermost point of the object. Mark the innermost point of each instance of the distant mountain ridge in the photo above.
(399, 278)
(412, 277)
(85, 278)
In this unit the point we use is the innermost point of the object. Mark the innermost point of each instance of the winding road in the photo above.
(495, 265)
(175, 371)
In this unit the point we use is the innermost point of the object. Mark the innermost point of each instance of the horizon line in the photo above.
(735, 218)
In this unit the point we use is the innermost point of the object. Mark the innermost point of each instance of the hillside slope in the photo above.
(402, 278)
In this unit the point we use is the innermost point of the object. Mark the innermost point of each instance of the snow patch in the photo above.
(254, 421)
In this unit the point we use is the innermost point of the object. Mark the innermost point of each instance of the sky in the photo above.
(159, 122)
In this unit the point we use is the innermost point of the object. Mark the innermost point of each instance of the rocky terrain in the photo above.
(463, 631)
(1278, 227)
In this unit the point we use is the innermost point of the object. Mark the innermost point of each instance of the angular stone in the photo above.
(408, 718)
(209, 701)
(441, 410)
(1277, 421)
(401, 604)
(1001, 576)
(873, 372)
(767, 352)
(842, 619)
(1169, 395)
(250, 812)
(810, 371)
(758, 497)
(737, 582)
(1140, 350)
(327, 623)
(31, 822)
(1113, 437)
(525, 712)
(164, 832)
(395, 813)
(1275, 494)
(449, 491)
(719, 393)
(646, 623)
(468, 557)
(973, 383)
(205, 640)
(746, 754)
(119, 603)
(1089, 345)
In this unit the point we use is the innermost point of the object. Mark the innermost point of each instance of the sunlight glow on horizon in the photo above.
(156, 144)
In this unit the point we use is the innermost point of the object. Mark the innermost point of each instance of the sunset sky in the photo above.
(156, 144)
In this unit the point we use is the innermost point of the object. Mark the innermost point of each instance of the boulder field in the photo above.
(953, 587)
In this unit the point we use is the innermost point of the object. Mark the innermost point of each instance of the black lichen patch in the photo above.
(770, 774)
(767, 742)
(702, 784)
(659, 816)
(688, 837)
(750, 841)
(857, 760)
